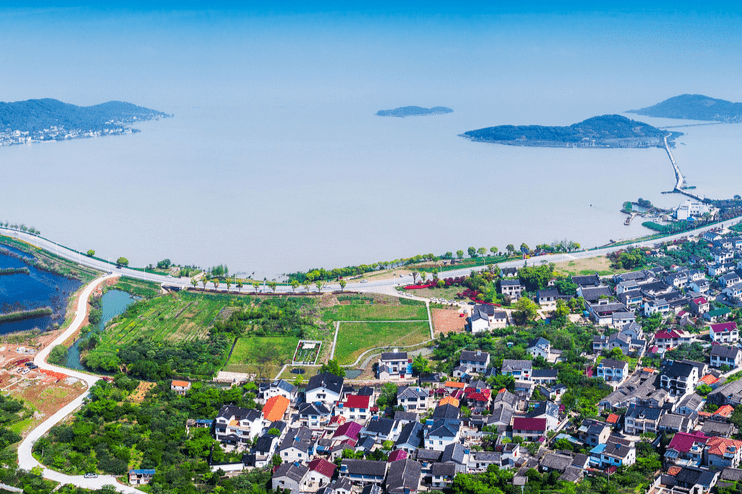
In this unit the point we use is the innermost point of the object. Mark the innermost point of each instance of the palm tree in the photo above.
(414, 277)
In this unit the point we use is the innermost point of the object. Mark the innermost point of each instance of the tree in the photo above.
(414, 277)
(388, 395)
(194, 282)
(204, 281)
(239, 286)
(420, 365)
(294, 285)
(256, 285)
(273, 285)
(342, 285)
(228, 283)
(510, 248)
(319, 285)
(481, 251)
(164, 264)
(90, 253)
(332, 367)
(493, 249)
(525, 310)
(215, 281)
(460, 254)
(122, 261)
(524, 248)
(472, 252)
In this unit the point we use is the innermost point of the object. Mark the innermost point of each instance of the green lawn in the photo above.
(172, 318)
(262, 355)
(356, 338)
(447, 293)
(376, 308)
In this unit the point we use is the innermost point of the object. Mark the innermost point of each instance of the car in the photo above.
(91, 475)
(364, 281)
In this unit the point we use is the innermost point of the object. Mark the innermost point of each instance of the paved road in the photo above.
(26, 460)
(374, 286)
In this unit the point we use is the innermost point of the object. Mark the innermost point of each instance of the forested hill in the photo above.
(695, 107)
(602, 131)
(414, 111)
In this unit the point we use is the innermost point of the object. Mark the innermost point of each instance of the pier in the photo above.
(679, 179)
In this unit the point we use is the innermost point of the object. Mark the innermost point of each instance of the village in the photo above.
(410, 431)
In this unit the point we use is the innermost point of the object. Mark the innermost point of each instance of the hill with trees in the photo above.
(414, 111)
(601, 131)
(695, 107)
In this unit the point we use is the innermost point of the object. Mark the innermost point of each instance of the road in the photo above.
(26, 460)
(386, 286)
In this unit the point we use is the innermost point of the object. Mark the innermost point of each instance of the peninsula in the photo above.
(605, 131)
(414, 111)
(695, 107)
(39, 120)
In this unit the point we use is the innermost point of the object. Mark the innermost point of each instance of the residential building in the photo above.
(699, 306)
(548, 297)
(289, 476)
(364, 471)
(279, 388)
(613, 371)
(141, 476)
(476, 361)
(723, 355)
(297, 445)
(519, 369)
(639, 420)
(722, 452)
(356, 408)
(724, 333)
(539, 347)
(442, 433)
(410, 437)
(394, 365)
(412, 398)
(404, 477)
(234, 425)
(325, 388)
(529, 428)
(319, 474)
(679, 378)
(180, 387)
(616, 452)
(274, 409)
(512, 289)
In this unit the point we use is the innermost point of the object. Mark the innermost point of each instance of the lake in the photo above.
(113, 303)
(32, 291)
(271, 188)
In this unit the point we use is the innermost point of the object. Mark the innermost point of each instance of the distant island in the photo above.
(414, 111)
(695, 107)
(606, 131)
(39, 120)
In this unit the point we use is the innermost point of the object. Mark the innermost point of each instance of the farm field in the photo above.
(172, 319)
(262, 355)
(588, 266)
(354, 338)
(446, 293)
(374, 308)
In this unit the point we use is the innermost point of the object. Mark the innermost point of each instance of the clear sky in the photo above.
(537, 53)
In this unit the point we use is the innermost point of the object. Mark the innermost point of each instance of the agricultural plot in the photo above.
(172, 319)
(375, 308)
(306, 352)
(354, 338)
(262, 355)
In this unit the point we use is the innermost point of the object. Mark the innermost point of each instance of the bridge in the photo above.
(679, 179)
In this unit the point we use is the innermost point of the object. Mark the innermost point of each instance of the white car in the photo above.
(91, 476)
(364, 281)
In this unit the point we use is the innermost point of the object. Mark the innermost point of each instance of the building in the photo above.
(363, 471)
(394, 365)
(180, 387)
(691, 208)
(289, 476)
(442, 433)
(539, 347)
(679, 378)
(723, 355)
(297, 445)
(667, 340)
(404, 477)
(355, 407)
(314, 415)
(475, 361)
(234, 425)
(141, 476)
(275, 408)
(612, 370)
(511, 288)
(724, 333)
(529, 428)
(319, 474)
(639, 420)
(616, 452)
(520, 369)
(699, 306)
(722, 452)
(412, 398)
(280, 388)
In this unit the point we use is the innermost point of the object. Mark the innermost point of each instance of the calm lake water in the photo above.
(113, 303)
(32, 291)
(273, 188)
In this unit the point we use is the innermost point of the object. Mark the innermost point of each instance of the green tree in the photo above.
(472, 252)
(524, 248)
(481, 251)
(204, 281)
(319, 285)
(333, 367)
(342, 285)
(90, 253)
(194, 282)
(239, 286)
(561, 312)
(493, 249)
(215, 281)
(273, 285)
(510, 248)
(525, 310)
(388, 396)
(420, 365)
(122, 262)
(460, 254)
(294, 285)
(256, 285)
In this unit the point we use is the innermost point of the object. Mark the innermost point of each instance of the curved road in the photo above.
(26, 460)
(379, 286)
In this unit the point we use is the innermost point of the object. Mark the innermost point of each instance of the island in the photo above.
(605, 131)
(39, 120)
(414, 111)
(695, 107)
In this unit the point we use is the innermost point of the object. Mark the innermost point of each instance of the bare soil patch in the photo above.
(447, 321)
(138, 395)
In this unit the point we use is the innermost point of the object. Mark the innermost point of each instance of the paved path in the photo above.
(26, 460)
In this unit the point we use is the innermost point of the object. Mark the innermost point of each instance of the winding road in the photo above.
(26, 460)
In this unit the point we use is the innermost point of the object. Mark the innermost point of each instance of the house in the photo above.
(656, 306)
(678, 280)
(274, 409)
(289, 476)
(411, 437)
(479, 461)
(690, 404)
(667, 340)
(672, 423)
(631, 299)
(616, 452)
(626, 286)
(280, 388)
(701, 286)
(716, 314)
(443, 475)
(475, 361)
(394, 365)
(349, 431)
(723, 355)
(729, 279)
(733, 291)
(693, 479)
(555, 462)
(699, 306)
(545, 376)
(263, 450)
(404, 477)
(442, 433)
(314, 415)
(325, 388)
(639, 420)
(593, 432)
(380, 429)
(512, 289)
(539, 347)
(478, 321)
(722, 256)
(235, 425)
(602, 311)
(722, 452)
(587, 281)
(727, 394)
(458, 455)
(548, 297)
(612, 370)
(724, 332)
(686, 448)
(412, 399)
(319, 474)
(356, 408)
(519, 369)
(679, 378)
(529, 428)
(363, 471)
(594, 294)
(545, 410)
(296, 445)
(180, 387)
(499, 319)
(141, 476)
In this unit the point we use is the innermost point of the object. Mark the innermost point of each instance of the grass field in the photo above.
(356, 338)
(172, 318)
(446, 293)
(382, 308)
(583, 267)
(262, 355)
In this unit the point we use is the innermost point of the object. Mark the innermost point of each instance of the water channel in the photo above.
(113, 303)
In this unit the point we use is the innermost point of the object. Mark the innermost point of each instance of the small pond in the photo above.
(113, 303)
